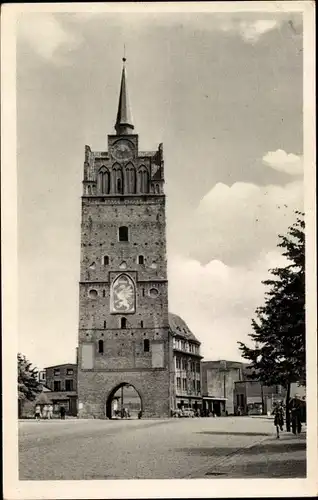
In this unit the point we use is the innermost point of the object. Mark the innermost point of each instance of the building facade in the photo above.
(253, 398)
(61, 380)
(218, 384)
(186, 366)
(123, 292)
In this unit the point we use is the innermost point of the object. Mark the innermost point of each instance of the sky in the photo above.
(223, 92)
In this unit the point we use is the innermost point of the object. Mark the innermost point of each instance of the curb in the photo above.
(234, 454)
(221, 462)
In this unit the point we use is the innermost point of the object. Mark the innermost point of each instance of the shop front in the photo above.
(214, 406)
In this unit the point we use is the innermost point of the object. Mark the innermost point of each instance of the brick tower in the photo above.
(123, 304)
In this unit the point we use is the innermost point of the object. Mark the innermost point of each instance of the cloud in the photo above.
(234, 224)
(218, 301)
(46, 35)
(288, 163)
(250, 31)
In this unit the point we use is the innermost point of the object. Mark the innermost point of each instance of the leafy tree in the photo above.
(28, 385)
(279, 355)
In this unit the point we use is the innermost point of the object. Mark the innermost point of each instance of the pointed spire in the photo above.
(124, 120)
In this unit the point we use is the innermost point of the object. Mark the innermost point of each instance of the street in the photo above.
(158, 449)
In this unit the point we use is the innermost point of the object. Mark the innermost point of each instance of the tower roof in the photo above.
(124, 123)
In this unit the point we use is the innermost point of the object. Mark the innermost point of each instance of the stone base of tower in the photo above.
(95, 391)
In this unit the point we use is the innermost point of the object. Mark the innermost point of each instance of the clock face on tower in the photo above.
(122, 150)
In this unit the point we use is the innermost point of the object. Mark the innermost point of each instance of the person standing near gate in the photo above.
(62, 412)
(38, 414)
(50, 412)
(295, 411)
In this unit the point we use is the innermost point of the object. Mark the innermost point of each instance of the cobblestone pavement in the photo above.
(158, 449)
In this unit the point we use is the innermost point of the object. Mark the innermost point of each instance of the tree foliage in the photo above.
(279, 355)
(28, 385)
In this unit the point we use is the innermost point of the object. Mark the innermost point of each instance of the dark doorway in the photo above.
(124, 401)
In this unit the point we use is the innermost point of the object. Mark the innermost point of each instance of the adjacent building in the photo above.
(218, 383)
(253, 398)
(186, 366)
(61, 387)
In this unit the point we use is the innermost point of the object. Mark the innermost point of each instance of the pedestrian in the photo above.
(62, 412)
(278, 413)
(45, 412)
(295, 412)
(303, 410)
(37, 412)
(139, 414)
(50, 412)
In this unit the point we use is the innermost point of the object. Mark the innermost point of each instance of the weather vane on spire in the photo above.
(124, 58)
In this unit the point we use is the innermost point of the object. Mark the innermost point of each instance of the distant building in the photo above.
(252, 397)
(42, 377)
(218, 383)
(186, 366)
(62, 382)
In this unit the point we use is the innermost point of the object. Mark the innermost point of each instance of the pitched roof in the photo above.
(124, 118)
(179, 328)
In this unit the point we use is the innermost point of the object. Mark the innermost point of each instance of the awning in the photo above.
(212, 398)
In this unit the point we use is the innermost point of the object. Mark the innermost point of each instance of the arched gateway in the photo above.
(124, 401)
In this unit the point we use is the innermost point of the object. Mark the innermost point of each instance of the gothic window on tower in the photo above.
(141, 259)
(123, 233)
(101, 346)
(146, 345)
(143, 180)
(118, 180)
(130, 181)
(123, 295)
(123, 322)
(105, 260)
(103, 181)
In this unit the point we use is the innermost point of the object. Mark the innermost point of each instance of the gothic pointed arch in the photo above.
(118, 180)
(130, 178)
(143, 180)
(103, 180)
(123, 295)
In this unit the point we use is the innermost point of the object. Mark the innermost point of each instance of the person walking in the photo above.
(50, 412)
(37, 412)
(295, 411)
(278, 413)
(62, 412)
(45, 412)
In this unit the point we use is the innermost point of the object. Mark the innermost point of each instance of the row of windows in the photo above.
(146, 345)
(153, 293)
(68, 386)
(122, 324)
(183, 345)
(184, 364)
(196, 385)
(120, 182)
(69, 371)
(106, 260)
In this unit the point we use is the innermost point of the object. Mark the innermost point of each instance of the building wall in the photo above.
(218, 381)
(125, 358)
(61, 373)
(249, 392)
(187, 377)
